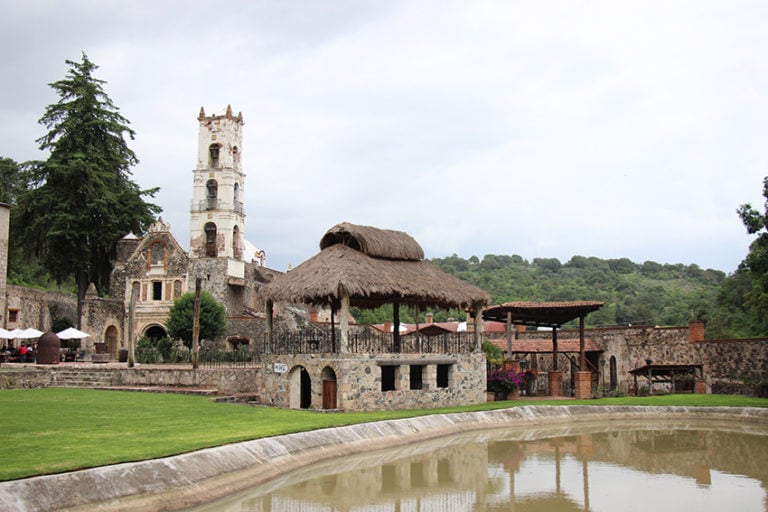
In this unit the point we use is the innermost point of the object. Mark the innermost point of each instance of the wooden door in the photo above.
(329, 394)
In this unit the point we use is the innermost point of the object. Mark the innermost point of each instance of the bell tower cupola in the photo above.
(217, 217)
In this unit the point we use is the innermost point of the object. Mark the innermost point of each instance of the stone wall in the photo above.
(32, 307)
(226, 381)
(726, 362)
(359, 380)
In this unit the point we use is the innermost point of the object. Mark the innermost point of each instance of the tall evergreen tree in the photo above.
(82, 200)
(12, 179)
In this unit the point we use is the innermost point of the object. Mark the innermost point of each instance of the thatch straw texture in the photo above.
(371, 281)
(375, 242)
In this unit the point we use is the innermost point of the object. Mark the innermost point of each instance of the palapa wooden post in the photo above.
(344, 322)
(478, 312)
(196, 324)
(509, 334)
(396, 325)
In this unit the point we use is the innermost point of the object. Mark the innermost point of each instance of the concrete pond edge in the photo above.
(180, 481)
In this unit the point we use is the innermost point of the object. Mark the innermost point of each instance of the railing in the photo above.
(321, 341)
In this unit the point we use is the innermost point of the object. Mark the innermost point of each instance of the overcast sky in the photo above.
(543, 128)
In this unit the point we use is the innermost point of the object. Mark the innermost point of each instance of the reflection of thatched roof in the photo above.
(375, 267)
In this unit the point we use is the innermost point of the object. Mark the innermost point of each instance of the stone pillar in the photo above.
(583, 385)
(555, 382)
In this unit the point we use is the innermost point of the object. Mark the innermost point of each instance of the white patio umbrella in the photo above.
(30, 333)
(15, 332)
(70, 333)
(5, 334)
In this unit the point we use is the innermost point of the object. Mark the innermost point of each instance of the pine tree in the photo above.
(82, 200)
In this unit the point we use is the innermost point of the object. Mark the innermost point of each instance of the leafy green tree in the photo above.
(213, 319)
(756, 262)
(81, 200)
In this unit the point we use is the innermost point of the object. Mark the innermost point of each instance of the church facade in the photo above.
(153, 270)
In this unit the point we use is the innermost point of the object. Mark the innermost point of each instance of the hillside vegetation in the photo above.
(646, 293)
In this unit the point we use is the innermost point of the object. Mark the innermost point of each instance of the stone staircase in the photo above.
(85, 378)
(110, 378)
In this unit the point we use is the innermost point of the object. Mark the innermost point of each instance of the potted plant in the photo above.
(505, 383)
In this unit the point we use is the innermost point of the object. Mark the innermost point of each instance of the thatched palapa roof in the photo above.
(374, 266)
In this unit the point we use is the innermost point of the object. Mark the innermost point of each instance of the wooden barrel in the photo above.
(48, 349)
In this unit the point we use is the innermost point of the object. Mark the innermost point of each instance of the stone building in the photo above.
(152, 271)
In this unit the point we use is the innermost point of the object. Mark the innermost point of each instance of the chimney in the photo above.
(429, 318)
(387, 326)
(313, 316)
(695, 331)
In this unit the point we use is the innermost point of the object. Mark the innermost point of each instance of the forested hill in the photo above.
(649, 293)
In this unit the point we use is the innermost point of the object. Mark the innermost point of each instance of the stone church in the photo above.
(150, 272)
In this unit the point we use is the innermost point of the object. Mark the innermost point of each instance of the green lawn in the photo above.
(53, 430)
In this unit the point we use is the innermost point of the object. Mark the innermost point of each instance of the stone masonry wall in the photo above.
(359, 380)
(226, 381)
(725, 361)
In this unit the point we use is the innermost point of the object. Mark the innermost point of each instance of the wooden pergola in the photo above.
(543, 314)
(667, 373)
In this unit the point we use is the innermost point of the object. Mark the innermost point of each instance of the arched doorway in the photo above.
(110, 336)
(329, 388)
(156, 332)
(300, 388)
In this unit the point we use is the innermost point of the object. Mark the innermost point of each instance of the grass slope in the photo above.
(53, 430)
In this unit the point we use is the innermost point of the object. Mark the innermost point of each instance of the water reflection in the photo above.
(669, 468)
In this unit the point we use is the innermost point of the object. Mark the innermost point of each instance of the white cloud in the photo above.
(544, 129)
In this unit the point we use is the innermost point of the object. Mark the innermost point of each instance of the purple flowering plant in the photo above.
(502, 380)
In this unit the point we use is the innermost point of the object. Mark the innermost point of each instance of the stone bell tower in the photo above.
(217, 218)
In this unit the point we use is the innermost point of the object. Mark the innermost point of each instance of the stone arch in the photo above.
(211, 194)
(213, 155)
(237, 250)
(155, 331)
(299, 388)
(210, 240)
(330, 388)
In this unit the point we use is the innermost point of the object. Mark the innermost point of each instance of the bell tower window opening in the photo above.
(210, 240)
(236, 156)
(213, 155)
(237, 247)
(212, 188)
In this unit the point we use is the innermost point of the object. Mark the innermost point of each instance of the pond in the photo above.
(660, 465)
